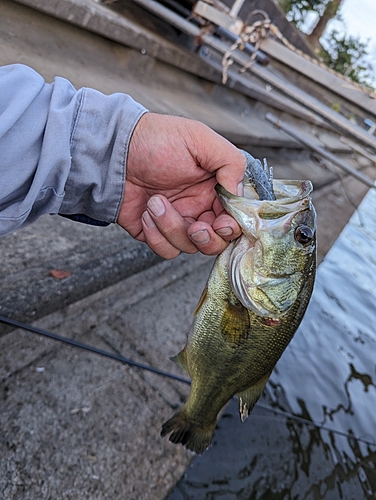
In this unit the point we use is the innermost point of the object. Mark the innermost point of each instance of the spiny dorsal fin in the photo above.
(248, 398)
(180, 360)
(201, 300)
(235, 323)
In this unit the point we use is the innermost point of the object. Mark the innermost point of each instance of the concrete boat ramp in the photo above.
(74, 425)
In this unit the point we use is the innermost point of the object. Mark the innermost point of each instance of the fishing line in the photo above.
(162, 373)
(93, 349)
(311, 423)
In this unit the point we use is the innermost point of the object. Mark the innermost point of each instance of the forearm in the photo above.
(62, 151)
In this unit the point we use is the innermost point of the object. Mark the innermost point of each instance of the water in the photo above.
(327, 376)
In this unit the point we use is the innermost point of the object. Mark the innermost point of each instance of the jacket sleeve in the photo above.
(61, 150)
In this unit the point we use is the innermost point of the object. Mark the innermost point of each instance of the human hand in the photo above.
(169, 198)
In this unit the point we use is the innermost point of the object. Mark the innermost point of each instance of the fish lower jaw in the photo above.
(272, 314)
(246, 282)
(245, 293)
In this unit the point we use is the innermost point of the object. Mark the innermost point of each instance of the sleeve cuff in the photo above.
(100, 139)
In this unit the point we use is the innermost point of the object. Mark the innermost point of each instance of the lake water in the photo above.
(327, 378)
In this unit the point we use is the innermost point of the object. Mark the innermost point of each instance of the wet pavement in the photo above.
(325, 377)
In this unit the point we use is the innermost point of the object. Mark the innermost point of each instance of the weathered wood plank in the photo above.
(316, 72)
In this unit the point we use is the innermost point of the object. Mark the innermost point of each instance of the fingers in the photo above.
(167, 233)
(165, 230)
(226, 227)
(205, 239)
(231, 176)
(156, 241)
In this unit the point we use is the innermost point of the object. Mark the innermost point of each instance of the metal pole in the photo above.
(358, 149)
(237, 5)
(339, 121)
(322, 151)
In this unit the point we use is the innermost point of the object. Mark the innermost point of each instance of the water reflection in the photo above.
(327, 375)
(271, 457)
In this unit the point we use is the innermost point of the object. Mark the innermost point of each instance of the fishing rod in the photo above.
(156, 371)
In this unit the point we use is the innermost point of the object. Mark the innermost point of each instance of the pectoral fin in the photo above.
(235, 324)
(248, 398)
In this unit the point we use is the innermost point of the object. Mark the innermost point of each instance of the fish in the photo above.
(254, 300)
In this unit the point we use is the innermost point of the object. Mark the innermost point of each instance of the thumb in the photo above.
(217, 155)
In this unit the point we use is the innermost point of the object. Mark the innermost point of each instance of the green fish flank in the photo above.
(255, 298)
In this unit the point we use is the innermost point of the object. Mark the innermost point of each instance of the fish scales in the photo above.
(254, 300)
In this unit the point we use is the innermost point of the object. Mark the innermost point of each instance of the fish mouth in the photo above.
(291, 197)
(285, 190)
(267, 265)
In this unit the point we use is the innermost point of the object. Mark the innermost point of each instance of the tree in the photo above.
(347, 55)
(344, 54)
(331, 9)
(297, 10)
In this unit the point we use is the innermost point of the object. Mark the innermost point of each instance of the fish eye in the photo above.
(303, 235)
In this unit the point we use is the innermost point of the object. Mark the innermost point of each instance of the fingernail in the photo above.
(201, 237)
(224, 231)
(148, 221)
(240, 190)
(156, 206)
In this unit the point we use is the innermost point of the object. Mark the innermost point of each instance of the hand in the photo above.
(169, 198)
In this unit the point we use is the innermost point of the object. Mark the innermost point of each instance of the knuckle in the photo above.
(163, 248)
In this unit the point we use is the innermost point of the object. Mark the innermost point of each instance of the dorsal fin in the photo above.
(201, 300)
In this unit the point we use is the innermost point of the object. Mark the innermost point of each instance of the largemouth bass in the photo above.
(254, 300)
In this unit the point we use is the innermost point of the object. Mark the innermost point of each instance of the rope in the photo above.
(254, 34)
(260, 30)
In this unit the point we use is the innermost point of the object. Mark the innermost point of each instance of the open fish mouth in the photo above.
(291, 196)
(266, 263)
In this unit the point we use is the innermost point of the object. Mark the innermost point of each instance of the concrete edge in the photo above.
(34, 293)
(103, 21)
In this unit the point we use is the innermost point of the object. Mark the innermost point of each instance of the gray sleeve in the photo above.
(61, 150)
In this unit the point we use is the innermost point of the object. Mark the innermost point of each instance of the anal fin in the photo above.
(180, 360)
(248, 398)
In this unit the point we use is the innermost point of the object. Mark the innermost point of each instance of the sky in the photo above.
(359, 17)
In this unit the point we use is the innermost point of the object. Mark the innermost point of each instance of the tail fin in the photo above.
(187, 432)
